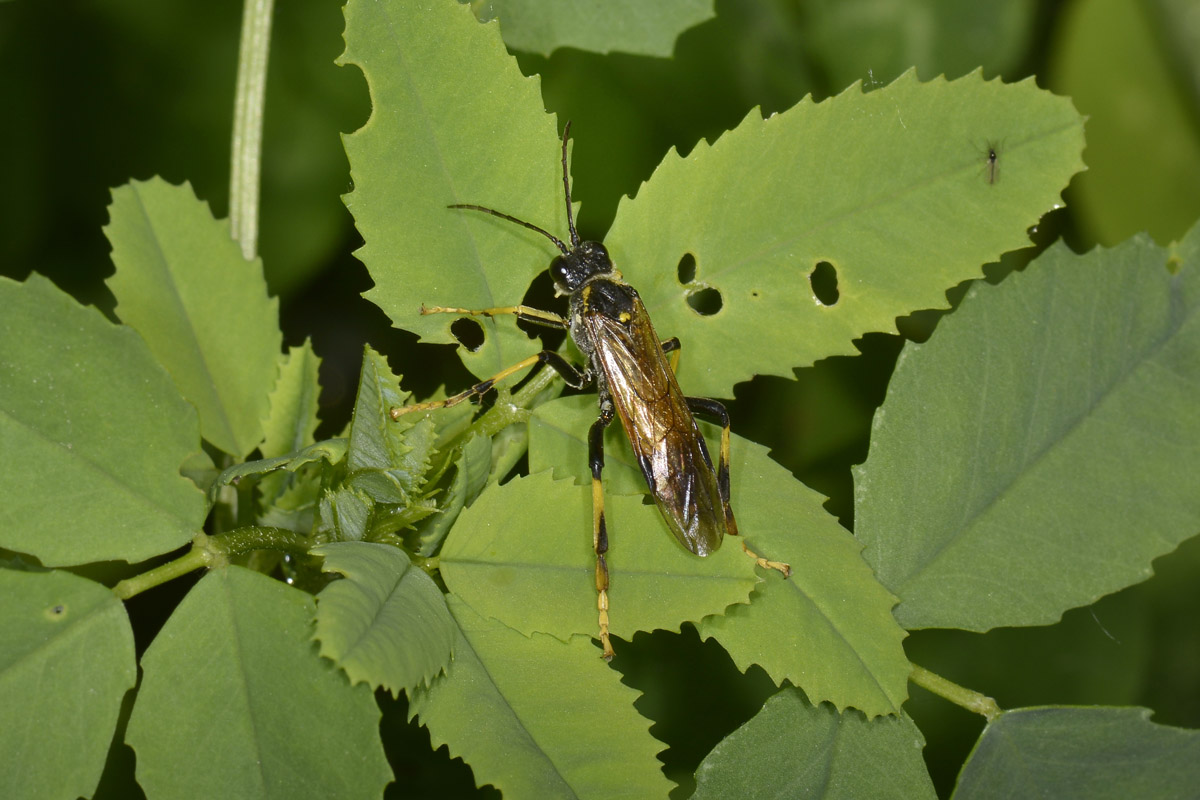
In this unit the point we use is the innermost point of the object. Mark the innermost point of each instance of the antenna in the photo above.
(557, 242)
(567, 187)
(570, 219)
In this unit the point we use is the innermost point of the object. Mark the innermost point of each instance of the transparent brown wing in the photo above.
(664, 435)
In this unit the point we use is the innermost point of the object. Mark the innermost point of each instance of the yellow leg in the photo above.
(779, 566)
(600, 545)
(599, 526)
(527, 313)
(479, 389)
(672, 348)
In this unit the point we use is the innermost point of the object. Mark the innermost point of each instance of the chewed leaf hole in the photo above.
(687, 269)
(705, 302)
(824, 282)
(468, 332)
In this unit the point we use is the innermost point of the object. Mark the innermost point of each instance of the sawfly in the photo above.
(635, 382)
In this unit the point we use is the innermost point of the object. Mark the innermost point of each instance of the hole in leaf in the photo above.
(823, 280)
(687, 269)
(468, 332)
(705, 302)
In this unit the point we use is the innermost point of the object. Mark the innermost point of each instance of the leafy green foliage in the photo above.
(807, 629)
(801, 629)
(630, 26)
(460, 147)
(470, 586)
(386, 623)
(1101, 753)
(233, 668)
(1049, 415)
(93, 433)
(182, 283)
(857, 182)
(331, 451)
(523, 554)
(793, 749)
(66, 660)
(292, 418)
(538, 717)
(472, 471)
(385, 459)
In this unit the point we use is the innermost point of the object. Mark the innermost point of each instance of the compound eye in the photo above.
(560, 273)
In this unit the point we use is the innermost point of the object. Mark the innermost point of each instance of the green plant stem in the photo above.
(515, 408)
(254, 537)
(246, 166)
(959, 695)
(214, 551)
(194, 559)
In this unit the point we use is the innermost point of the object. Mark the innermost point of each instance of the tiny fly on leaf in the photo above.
(635, 381)
(992, 162)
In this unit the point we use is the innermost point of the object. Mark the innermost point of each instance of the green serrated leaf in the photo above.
(331, 451)
(470, 476)
(537, 717)
(828, 628)
(1027, 458)
(420, 441)
(459, 147)
(235, 702)
(792, 749)
(1093, 753)
(602, 26)
(66, 661)
(389, 523)
(292, 417)
(523, 554)
(345, 514)
(381, 461)
(475, 465)
(386, 623)
(182, 283)
(891, 188)
(93, 433)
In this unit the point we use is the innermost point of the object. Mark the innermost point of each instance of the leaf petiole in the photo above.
(959, 695)
(214, 551)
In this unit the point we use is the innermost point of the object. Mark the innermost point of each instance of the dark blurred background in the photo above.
(95, 93)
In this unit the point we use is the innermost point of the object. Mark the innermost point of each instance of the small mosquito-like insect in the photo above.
(635, 381)
(992, 162)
